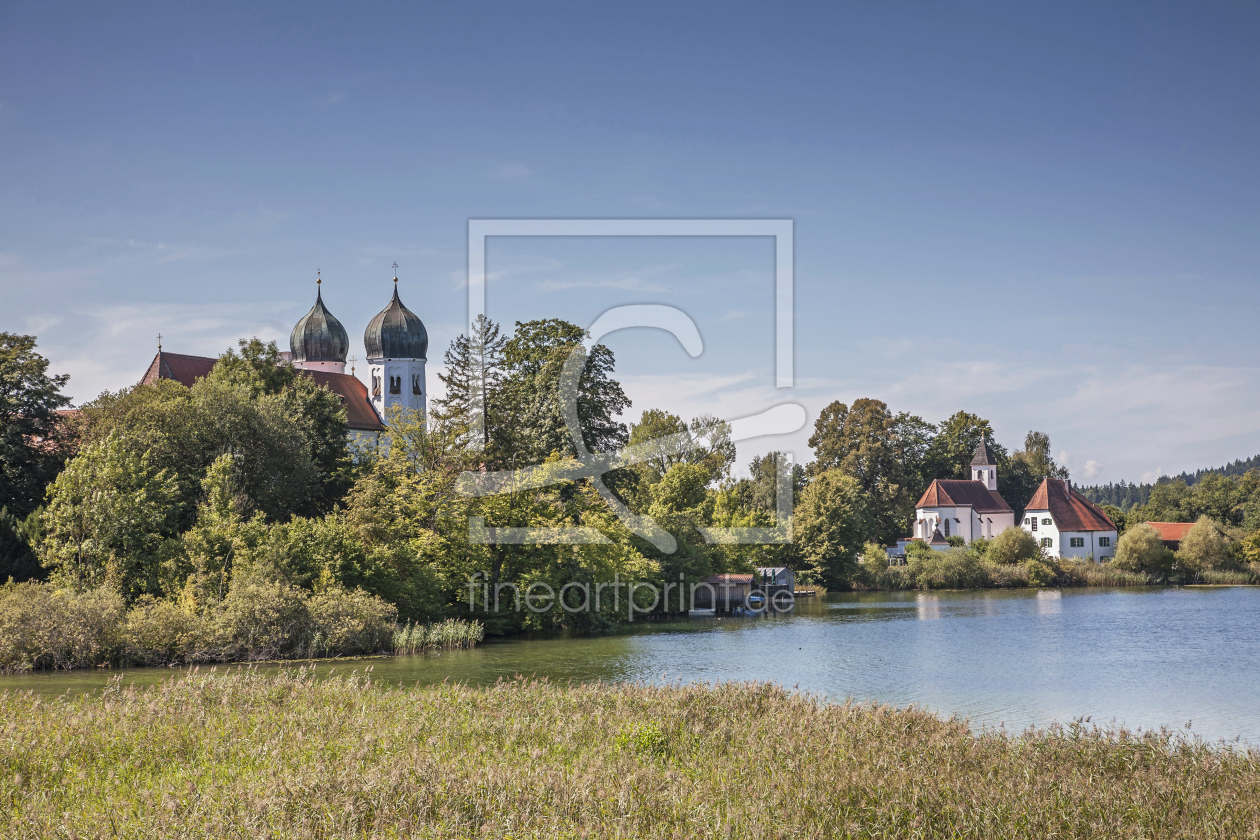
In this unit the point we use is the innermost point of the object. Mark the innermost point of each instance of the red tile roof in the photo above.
(186, 370)
(950, 492)
(354, 396)
(1071, 510)
(183, 369)
(1171, 531)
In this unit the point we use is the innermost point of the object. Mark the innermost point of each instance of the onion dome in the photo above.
(396, 333)
(319, 337)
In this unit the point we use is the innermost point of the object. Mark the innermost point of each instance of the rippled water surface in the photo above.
(1138, 657)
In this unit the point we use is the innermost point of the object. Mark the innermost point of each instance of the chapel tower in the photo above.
(984, 465)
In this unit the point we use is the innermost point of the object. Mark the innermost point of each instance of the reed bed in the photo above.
(452, 634)
(243, 755)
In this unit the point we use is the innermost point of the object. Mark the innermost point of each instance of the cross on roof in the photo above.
(395, 271)
(159, 342)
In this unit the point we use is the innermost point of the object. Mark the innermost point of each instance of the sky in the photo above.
(1044, 216)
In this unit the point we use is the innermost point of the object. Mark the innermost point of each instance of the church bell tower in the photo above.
(397, 348)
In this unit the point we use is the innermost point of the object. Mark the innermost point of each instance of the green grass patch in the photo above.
(292, 756)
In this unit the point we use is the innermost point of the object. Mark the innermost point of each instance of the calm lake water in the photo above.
(1136, 657)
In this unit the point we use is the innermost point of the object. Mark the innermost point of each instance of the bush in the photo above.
(1204, 548)
(1013, 545)
(161, 632)
(952, 569)
(43, 628)
(1141, 549)
(1039, 573)
(345, 623)
(261, 620)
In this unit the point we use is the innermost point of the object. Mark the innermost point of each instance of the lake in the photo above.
(1139, 657)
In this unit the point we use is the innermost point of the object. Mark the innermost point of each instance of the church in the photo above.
(397, 347)
(967, 508)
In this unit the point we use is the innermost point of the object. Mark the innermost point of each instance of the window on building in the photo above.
(1078, 542)
(947, 527)
(1046, 542)
(1047, 522)
(395, 384)
(1104, 558)
(1104, 541)
(1027, 520)
(415, 384)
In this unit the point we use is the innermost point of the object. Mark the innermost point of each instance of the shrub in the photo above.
(1141, 549)
(43, 628)
(261, 620)
(1039, 573)
(161, 632)
(1204, 548)
(344, 623)
(1013, 545)
(952, 569)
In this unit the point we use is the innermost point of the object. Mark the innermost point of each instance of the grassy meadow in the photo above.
(245, 755)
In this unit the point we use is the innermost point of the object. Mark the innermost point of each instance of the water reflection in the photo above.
(929, 606)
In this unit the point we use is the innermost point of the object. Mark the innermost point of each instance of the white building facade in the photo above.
(1068, 525)
(967, 508)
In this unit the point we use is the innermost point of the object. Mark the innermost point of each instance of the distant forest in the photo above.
(1125, 496)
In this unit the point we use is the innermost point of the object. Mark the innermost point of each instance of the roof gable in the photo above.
(949, 492)
(1071, 511)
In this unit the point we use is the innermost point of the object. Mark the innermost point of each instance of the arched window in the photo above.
(947, 526)
(415, 384)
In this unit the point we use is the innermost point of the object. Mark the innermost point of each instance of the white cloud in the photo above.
(1091, 470)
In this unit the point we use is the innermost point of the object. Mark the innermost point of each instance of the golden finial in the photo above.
(318, 280)
(352, 361)
(395, 271)
(159, 342)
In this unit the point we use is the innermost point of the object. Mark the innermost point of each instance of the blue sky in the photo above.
(1044, 216)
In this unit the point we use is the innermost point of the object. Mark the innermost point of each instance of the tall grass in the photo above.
(243, 755)
(452, 634)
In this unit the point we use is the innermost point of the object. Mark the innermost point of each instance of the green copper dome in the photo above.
(396, 333)
(319, 337)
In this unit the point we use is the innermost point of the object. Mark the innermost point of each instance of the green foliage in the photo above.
(1013, 545)
(831, 524)
(476, 389)
(956, 568)
(184, 430)
(17, 536)
(41, 628)
(1141, 549)
(884, 452)
(955, 441)
(33, 439)
(1204, 548)
(1039, 573)
(110, 519)
(707, 442)
(533, 360)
